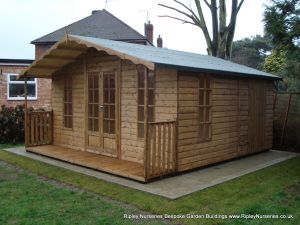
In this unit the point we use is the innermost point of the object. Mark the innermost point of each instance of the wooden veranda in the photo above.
(160, 157)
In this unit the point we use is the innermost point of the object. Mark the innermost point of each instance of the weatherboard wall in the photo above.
(231, 122)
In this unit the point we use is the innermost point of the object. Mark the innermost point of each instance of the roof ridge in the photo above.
(104, 10)
(32, 42)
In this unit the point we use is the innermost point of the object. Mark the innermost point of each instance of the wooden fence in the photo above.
(287, 121)
(161, 158)
(39, 128)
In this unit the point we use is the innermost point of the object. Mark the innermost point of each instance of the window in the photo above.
(141, 98)
(68, 112)
(109, 101)
(204, 107)
(16, 88)
(93, 102)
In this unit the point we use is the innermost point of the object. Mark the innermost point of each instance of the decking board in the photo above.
(107, 164)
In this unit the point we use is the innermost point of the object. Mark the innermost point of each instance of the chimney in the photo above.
(159, 42)
(149, 31)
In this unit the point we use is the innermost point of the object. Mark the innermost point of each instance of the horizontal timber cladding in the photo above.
(230, 119)
(165, 107)
(69, 137)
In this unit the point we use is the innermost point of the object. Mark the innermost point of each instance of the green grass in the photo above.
(26, 199)
(274, 190)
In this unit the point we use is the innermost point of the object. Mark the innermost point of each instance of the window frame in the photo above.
(205, 123)
(69, 79)
(140, 122)
(9, 81)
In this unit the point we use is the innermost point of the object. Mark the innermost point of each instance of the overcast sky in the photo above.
(23, 21)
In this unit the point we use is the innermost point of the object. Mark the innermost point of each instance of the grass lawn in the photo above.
(273, 190)
(28, 199)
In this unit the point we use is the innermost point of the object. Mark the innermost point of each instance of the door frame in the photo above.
(101, 135)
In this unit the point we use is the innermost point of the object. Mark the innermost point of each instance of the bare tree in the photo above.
(220, 43)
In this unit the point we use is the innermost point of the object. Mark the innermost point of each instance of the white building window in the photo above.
(15, 88)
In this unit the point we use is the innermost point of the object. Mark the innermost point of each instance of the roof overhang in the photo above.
(67, 50)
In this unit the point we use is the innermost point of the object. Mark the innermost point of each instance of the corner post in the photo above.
(146, 124)
(26, 114)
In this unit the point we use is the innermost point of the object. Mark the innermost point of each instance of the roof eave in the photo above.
(221, 72)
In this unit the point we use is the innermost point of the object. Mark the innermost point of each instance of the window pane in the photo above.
(201, 97)
(141, 97)
(14, 78)
(112, 126)
(70, 109)
(30, 90)
(207, 101)
(206, 133)
(96, 125)
(112, 96)
(201, 114)
(150, 114)
(106, 126)
(141, 72)
(112, 112)
(207, 82)
(16, 90)
(91, 110)
(141, 113)
(151, 97)
(201, 82)
(141, 130)
(207, 114)
(151, 79)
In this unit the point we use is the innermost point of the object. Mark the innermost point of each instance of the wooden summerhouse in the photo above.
(144, 112)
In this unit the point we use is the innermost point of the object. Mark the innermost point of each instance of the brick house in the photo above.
(12, 90)
(100, 24)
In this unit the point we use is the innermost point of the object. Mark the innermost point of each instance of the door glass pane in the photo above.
(106, 112)
(106, 96)
(96, 125)
(90, 124)
(112, 126)
(112, 96)
(112, 112)
(96, 110)
(96, 96)
(112, 82)
(106, 126)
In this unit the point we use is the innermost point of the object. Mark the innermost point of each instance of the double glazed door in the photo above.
(102, 113)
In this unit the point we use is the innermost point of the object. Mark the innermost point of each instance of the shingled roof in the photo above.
(149, 56)
(101, 24)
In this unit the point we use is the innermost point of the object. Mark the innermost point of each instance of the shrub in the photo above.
(12, 124)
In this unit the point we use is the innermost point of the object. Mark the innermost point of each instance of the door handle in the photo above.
(101, 107)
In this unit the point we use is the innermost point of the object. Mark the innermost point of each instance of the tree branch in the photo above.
(176, 18)
(189, 9)
(240, 5)
(208, 5)
(192, 17)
